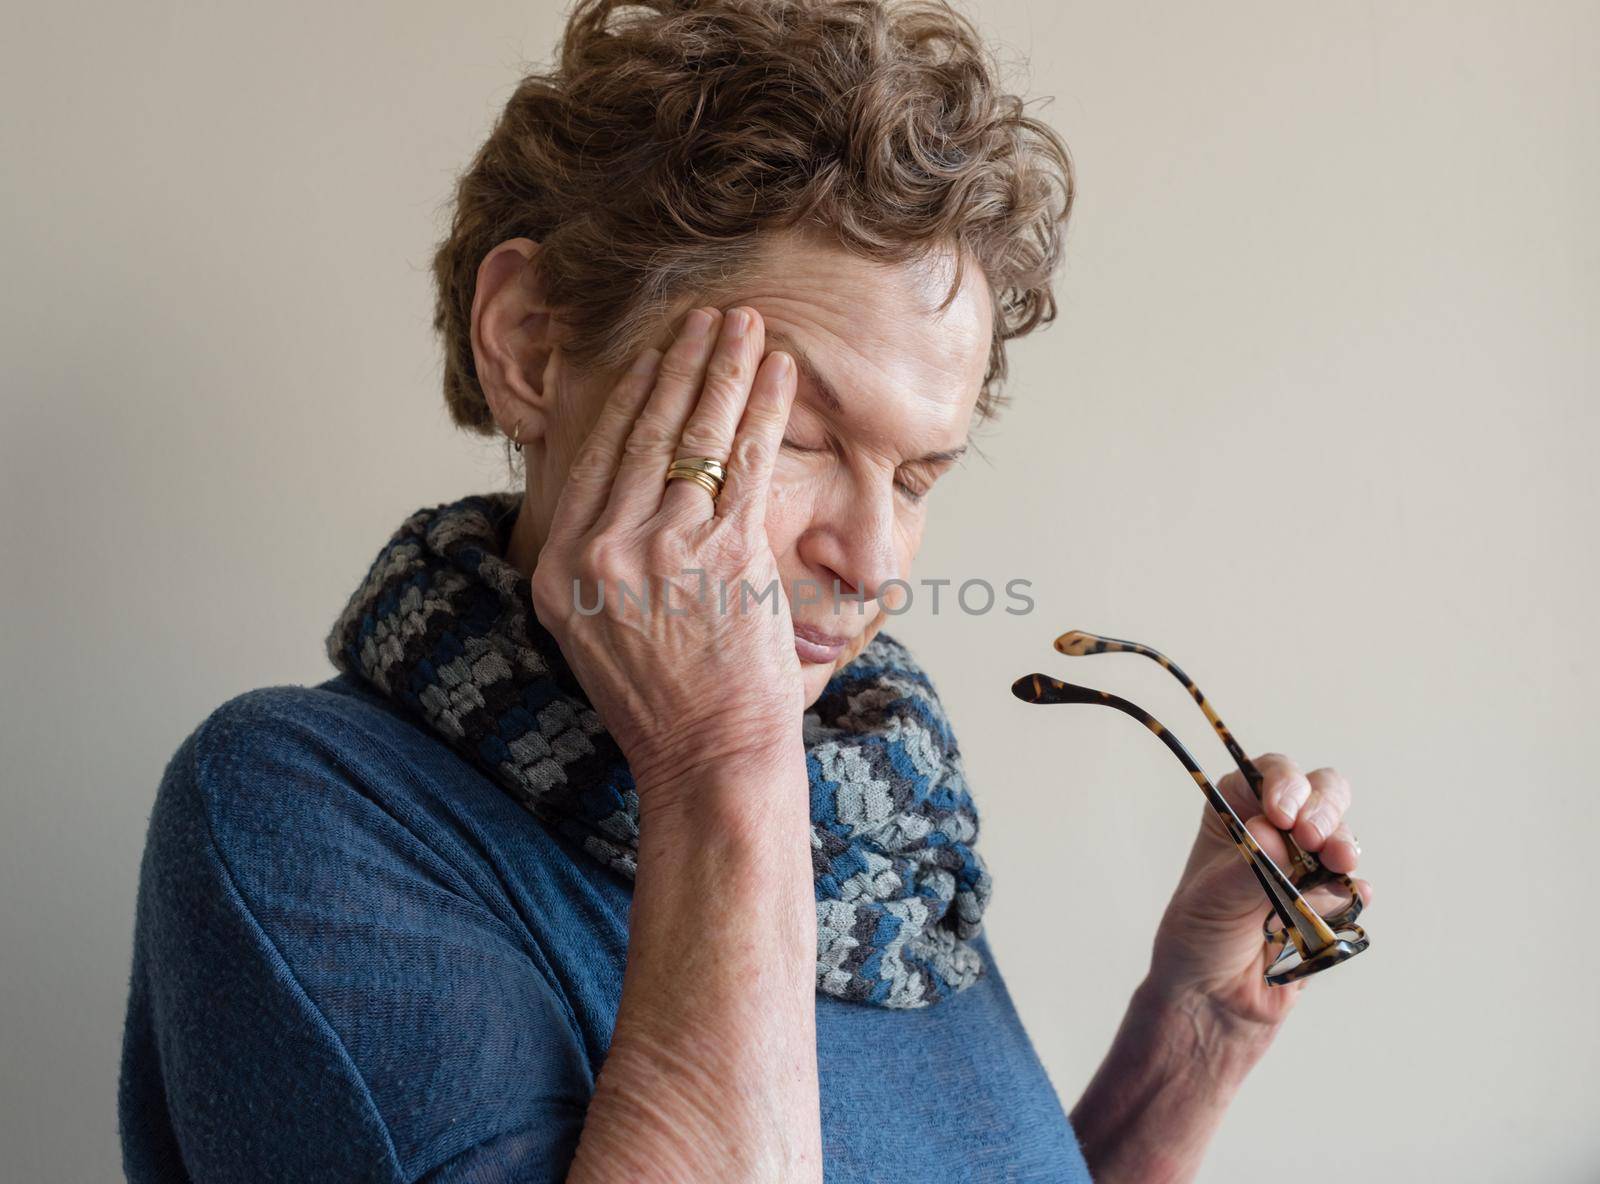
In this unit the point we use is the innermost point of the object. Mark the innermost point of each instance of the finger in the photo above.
(711, 425)
(588, 482)
(1270, 839)
(755, 446)
(1340, 852)
(1284, 788)
(1323, 810)
(1236, 791)
(1237, 891)
(642, 473)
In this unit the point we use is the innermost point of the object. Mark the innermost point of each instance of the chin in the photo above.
(816, 681)
(817, 676)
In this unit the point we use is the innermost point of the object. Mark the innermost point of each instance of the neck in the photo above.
(526, 539)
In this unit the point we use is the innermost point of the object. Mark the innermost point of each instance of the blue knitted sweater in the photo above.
(357, 958)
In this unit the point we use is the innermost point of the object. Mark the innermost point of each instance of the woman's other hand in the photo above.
(702, 673)
(1209, 947)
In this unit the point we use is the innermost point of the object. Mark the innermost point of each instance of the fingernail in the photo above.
(735, 324)
(697, 323)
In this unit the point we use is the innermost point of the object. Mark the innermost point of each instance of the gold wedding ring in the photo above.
(704, 471)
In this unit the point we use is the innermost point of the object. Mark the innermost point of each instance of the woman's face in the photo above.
(886, 392)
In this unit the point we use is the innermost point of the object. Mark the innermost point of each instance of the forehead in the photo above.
(875, 335)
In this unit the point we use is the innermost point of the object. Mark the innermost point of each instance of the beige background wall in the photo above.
(1318, 419)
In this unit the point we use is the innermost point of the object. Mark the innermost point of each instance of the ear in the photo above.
(513, 336)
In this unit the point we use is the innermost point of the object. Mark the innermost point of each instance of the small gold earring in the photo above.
(516, 435)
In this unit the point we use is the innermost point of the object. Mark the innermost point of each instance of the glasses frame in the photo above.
(1310, 941)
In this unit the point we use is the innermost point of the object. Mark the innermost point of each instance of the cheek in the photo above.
(909, 533)
(788, 513)
(817, 677)
(578, 408)
(908, 541)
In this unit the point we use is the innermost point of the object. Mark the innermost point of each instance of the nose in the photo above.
(852, 539)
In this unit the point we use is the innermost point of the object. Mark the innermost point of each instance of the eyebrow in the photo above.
(830, 395)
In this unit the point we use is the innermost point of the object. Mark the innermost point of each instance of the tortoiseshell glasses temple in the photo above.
(1310, 941)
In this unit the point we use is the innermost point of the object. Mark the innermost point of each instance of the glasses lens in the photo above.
(1334, 900)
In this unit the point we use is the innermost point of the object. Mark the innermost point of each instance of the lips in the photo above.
(813, 645)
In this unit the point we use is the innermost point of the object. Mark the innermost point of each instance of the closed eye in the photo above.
(913, 490)
(799, 447)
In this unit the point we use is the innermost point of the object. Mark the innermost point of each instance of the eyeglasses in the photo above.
(1311, 941)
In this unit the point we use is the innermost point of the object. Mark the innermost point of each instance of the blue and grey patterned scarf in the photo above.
(444, 626)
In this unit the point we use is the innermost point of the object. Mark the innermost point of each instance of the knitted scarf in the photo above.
(444, 626)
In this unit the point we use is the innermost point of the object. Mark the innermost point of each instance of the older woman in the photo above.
(626, 845)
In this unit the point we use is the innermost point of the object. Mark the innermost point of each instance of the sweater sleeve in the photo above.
(317, 992)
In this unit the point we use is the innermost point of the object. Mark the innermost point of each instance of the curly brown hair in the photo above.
(672, 136)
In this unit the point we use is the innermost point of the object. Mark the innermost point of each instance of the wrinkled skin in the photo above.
(839, 494)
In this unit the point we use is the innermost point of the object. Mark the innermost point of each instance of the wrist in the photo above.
(1198, 1035)
(1172, 1070)
(751, 789)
